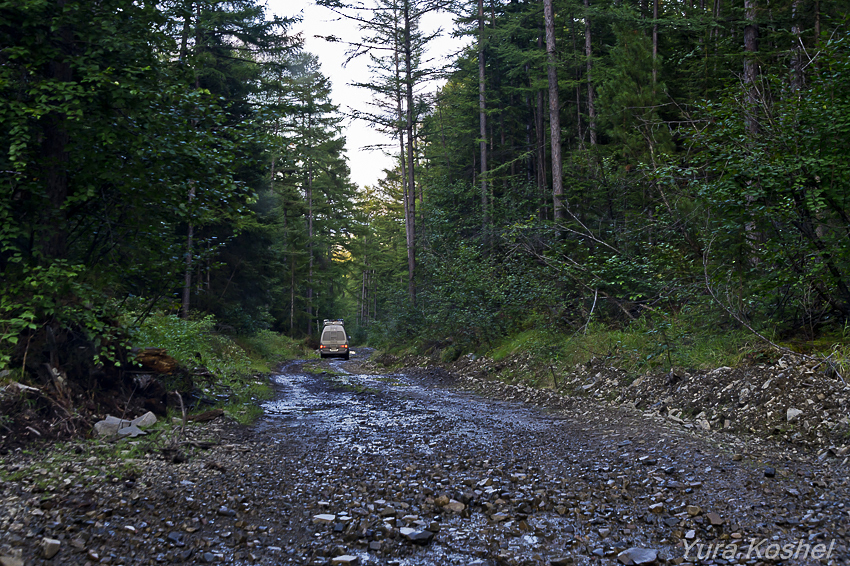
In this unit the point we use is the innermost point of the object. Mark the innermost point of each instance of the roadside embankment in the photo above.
(793, 401)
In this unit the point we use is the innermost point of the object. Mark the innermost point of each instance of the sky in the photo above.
(366, 165)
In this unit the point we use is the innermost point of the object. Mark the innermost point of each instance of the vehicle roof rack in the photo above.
(333, 321)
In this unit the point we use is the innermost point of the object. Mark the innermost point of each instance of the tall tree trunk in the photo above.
(54, 144)
(411, 192)
(588, 53)
(580, 134)
(362, 299)
(750, 65)
(529, 125)
(554, 113)
(198, 42)
(401, 128)
(187, 277)
(716, 15)
(817, 21)
(482, 125)
(540, 140)
(309, 197)
(797, 57)
(443, 138)
(421, 189)
(542, 181)
(291, 280)
(184, 35)
(408, 197)
(654, 44)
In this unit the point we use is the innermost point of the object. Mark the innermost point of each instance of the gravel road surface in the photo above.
(348, 467)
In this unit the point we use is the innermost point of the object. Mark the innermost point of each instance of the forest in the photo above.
(676, 167)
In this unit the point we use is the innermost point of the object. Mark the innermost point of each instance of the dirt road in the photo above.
(347, 467)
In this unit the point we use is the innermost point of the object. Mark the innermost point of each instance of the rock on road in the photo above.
(352, 468)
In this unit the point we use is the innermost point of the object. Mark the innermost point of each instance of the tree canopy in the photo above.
(186, 156)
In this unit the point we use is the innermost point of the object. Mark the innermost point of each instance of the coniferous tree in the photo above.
(391, 29)
(314, 170)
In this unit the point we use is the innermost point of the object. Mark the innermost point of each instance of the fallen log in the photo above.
(206, 416)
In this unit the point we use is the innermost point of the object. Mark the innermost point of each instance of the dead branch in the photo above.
(749, 327)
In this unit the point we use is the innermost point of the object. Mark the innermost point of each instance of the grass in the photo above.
(516, 343)
(269, 349)
(686, 341)
(317, 369)
(238, 364)
(119, 460)
(641, 347)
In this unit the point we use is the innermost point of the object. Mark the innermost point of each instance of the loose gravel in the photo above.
(353, 465)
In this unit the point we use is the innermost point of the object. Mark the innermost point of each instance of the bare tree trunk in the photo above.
(554, 113)
(361, 316)
(797, 58)
(309, 198)
(187, 278)
(542, 181)
(482, 124)
(184, 35)
(540, 140)
(197, 41)
(716, 13)
(588, 52)
(421, 189)
(578, 87)
(529, 162)
(502, 140)
(750, 65)
(654, 43)
(403, 153)
(817, 21)
(443, 138)
(411, 193)
(291, 288)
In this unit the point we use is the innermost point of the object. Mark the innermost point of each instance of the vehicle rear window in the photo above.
(333, 336)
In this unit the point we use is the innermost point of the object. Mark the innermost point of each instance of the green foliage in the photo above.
(515, 344)
(102, 143)
(273, 348)
(308, 211)
(680, 203)
(629, 98)
(127, 126)
(195, 342)
(778, 201)
(676, 341)
(236, 364)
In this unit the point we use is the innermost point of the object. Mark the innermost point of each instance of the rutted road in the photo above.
(348, 467)
(383, 459)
